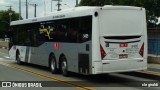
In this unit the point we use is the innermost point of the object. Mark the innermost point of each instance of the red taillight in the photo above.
(141, 51)
(103, 53)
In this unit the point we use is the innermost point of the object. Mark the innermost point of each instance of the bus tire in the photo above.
(64, 66)
(18, 60)
(53, 64)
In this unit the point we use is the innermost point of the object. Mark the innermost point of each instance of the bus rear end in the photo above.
(122, 39)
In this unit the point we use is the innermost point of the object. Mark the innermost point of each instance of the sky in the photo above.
(43, 8)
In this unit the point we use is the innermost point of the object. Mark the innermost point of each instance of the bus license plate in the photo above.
(121, 56)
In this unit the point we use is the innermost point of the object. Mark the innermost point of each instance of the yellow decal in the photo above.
(46, 30)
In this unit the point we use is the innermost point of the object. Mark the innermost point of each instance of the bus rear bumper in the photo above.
(109, 66)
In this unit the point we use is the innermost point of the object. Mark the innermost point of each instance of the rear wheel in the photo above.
(53, 65)
(64, 66)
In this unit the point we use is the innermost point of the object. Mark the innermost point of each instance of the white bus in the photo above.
(85, 40)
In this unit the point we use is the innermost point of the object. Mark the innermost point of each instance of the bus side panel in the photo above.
(69, 50)
(78, 55)
(39, 55)
(85, 57)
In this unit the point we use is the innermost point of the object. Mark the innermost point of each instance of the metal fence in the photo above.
(154, 41)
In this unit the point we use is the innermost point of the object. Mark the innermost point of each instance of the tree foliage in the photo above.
(5, 20)
(152, 6)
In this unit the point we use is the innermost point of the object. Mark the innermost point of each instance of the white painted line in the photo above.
(6, 56)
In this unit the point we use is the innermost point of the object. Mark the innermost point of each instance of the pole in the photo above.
(44, 8)
(10, 13)
(76, 3)
(59, 5)
(35, 6)
(19, 9)
(10, 17)
(35, 9)
(26, 9)
(10, 7)
(51, 5)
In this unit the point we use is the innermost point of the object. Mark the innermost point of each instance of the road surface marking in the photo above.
(45, 76)
(6, 57)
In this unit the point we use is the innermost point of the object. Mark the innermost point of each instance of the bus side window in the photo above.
(72, 34)
(73, 31)
(85, 29)
(61, 30)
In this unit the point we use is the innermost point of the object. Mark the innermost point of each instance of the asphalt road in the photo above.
(10, 71)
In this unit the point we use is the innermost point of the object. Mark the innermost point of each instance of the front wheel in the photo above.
(53, 65)
(64, 66)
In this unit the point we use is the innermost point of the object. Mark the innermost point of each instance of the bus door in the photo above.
(37, 49)
(28, 46)
(27, 53)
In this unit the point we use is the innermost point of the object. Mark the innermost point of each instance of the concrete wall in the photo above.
(154, 45)
(4, 44)
(153, 59)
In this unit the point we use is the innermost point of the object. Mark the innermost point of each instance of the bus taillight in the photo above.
(103, 53)
(141, 51)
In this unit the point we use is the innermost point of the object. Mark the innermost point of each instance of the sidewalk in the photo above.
(154, 67)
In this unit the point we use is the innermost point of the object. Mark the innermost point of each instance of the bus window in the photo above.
(61, 30)
(46, 30)
(85, 29)
(72, 32)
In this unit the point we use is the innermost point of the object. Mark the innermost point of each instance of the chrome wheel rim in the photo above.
(52, 65)
(64, 66)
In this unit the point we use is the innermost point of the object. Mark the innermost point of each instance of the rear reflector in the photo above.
(103, 53)
(141, 51)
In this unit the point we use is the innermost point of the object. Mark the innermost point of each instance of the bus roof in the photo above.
(73, 12)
